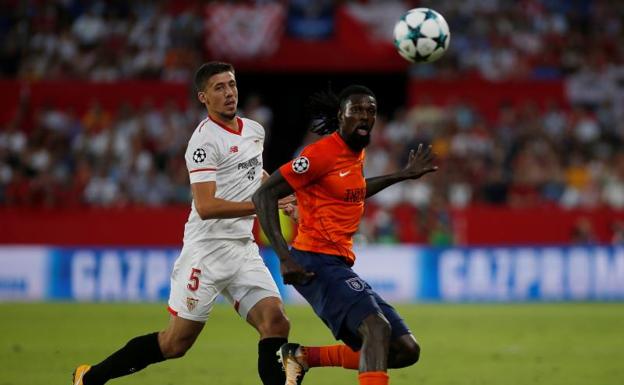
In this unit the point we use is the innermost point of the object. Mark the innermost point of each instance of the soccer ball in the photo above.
(421, 35)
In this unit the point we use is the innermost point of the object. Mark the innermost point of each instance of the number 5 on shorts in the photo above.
(194, 280)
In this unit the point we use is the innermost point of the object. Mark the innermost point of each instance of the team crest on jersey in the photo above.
(199, 155)
(356, 283)
(300, 165)
(191, 303)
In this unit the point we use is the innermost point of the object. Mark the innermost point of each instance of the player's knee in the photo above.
(411, 354)
(275, 324)
(404, 352)
(280, 325)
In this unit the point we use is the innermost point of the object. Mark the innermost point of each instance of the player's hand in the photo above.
(294, 274)
(284, 202)
(420, 162)
(292, 210)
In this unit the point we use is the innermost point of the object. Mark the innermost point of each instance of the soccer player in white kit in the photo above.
(219, 256)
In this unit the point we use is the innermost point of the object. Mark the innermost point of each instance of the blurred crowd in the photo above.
(108, 40)
(528, 157)
(502, 39)
(103, 158)
(568, 156)
(101, 40)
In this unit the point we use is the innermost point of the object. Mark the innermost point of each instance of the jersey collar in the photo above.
(239, 121)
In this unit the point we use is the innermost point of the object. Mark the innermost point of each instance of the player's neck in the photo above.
(356, 148)
(232, 123)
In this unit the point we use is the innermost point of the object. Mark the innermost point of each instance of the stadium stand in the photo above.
(561, 153)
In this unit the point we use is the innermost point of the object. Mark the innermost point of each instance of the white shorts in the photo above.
(233, 268)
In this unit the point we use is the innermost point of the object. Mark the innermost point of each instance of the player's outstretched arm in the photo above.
(266, 202)
(420, 162)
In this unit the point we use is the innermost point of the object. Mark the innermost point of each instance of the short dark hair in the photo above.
(354, 89)
(206, 70)
(323, 107)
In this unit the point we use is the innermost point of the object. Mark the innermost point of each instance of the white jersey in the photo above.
(234, 161)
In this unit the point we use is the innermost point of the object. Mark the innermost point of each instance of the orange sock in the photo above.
(374, 378)
(333, 355)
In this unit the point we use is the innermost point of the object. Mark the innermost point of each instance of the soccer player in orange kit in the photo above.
(328, 181)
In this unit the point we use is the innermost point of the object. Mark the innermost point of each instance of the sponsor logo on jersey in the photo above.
(233, 149)
(355, 194)
(253, 162)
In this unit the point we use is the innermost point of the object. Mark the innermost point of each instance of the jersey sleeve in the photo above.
(312, 164)
(201, 162)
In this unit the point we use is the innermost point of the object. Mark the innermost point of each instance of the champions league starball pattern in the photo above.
(199, 155)
(421, 35)
(300, 165)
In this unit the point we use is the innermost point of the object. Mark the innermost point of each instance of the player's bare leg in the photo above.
(375, 331)
(269, 319)
(139, 352)
(178, 337)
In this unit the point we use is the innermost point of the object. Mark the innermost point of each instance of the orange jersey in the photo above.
(330, 188)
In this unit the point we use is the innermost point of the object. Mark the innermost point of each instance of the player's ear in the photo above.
(201, 96)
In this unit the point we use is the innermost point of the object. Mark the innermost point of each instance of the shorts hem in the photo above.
(186, 316)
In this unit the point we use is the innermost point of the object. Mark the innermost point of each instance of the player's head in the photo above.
(215, 83)
(352, 113)
(357, 115)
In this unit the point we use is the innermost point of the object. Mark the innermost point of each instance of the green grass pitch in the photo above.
(550, 344)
